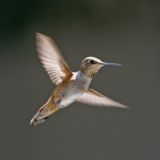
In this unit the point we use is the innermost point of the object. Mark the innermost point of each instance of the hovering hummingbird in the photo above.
(71, 86)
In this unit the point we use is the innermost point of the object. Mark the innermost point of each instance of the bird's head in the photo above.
(91, 65)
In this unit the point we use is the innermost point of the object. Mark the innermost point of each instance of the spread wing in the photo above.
(95, 98)
(51, 59)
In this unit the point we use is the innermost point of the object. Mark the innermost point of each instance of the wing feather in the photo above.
(51, 59)
(95, 98)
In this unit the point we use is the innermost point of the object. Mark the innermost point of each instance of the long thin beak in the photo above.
(111, 64)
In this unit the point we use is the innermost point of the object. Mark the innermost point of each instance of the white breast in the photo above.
(74, 89)
(67, 101)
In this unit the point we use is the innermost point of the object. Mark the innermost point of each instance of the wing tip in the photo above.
(38, 35)
(122, 106)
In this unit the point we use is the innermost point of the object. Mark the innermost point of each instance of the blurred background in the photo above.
(121, 31)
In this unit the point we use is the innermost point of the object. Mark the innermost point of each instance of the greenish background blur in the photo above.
(121, 31)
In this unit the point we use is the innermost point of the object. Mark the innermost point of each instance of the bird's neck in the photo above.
(83, 78)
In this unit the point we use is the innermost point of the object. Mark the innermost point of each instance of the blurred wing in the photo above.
(51, 59)
(95, 98)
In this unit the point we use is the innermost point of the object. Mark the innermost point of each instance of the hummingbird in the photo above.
(70, 86)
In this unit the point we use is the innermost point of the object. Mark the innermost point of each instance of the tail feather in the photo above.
(34, 121)
(44, 112)
(37, 119)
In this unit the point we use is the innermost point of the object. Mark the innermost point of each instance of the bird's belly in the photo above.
(73, 90)
(67, 101)
(68, 97)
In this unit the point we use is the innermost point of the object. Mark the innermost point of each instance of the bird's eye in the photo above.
(92, 62)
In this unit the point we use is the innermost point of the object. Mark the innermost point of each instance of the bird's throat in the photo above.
(88, 73)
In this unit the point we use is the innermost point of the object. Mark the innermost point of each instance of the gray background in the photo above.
(121, 31)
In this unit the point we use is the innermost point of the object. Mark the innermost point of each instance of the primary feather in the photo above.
(95, 98)
(51, 59)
